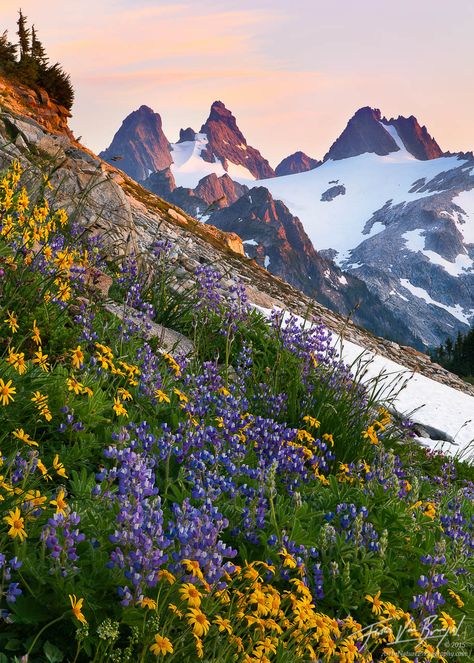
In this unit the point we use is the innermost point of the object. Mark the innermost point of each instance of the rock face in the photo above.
(227, 143)
(211, 193)
(219, 191)
(333, 192)
(366, 132)
(299, 162)
(35, 104)
(277, 241)
(431, 262)
(140, 145)
(186, 135)
(416, 139)
(363, 133)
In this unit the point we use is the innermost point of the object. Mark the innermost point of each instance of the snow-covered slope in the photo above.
(189, 167)
(436, 406)
(369, 181)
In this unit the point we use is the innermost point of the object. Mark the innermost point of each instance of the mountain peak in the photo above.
(299, 162)
(363, 133)
(145, 110)
(416, 138)
(228, 144)
(141, 144)
(367, 131)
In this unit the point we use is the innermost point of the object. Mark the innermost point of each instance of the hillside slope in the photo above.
(132, 218)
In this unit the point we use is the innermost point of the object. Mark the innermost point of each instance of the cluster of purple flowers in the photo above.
(61, 536)
(196, 532)
(9, 589)
(353, 525)
(427, 602)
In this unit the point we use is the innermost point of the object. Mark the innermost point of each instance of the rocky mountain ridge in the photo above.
(324, 197)
(140, 144)
(368, 132)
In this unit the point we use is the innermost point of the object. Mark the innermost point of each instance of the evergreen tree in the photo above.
(58, 85)
(38, 52)
(23, 36)
(457, 357)
(7, 54)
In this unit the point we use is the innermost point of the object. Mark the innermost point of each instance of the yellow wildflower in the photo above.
(163, 574)
(60, 502)
(36, 338)
(74, 385)
(162, 645)
(288, 560)
(198, 620)
(17, 524)
(148, 603)
(161, 396)
(124, 394)
(59, 467)
(456, 597)
(6, 392)
(12, 321)
(41, 360)
(20, 434)
(76, 605)
(447, 622)
(312, 421)
(119, 409)
(77, 357)
(376, 603)
(223, 624)
(17, 360)
(191, 594)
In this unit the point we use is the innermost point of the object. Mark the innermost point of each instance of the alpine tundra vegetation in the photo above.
(249, 500)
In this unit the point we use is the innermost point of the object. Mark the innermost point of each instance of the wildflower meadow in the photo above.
(250, 501)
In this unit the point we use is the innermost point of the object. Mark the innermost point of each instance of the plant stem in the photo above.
(55, 621)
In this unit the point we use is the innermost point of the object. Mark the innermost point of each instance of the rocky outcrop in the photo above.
(333, 192)
(186, 135)
(211, 193)
(416, 139)
(35, 104)
(219, 191)
(299, 162)
(227, 143)
(140, 146)
(363, 133)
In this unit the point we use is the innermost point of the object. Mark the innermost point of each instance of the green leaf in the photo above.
(28, 611)
(52, 653)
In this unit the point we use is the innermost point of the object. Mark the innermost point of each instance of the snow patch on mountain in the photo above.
(189, 167)
(417, 397)
(456, 311)
(399, 142)
(465, 200)
(415, 241)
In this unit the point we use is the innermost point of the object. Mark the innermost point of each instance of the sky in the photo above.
(292, 71)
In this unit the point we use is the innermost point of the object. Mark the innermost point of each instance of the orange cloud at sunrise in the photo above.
(292, 72)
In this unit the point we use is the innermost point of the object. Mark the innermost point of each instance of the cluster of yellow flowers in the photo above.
(255, 621)
(378, 425)
(30, 227)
